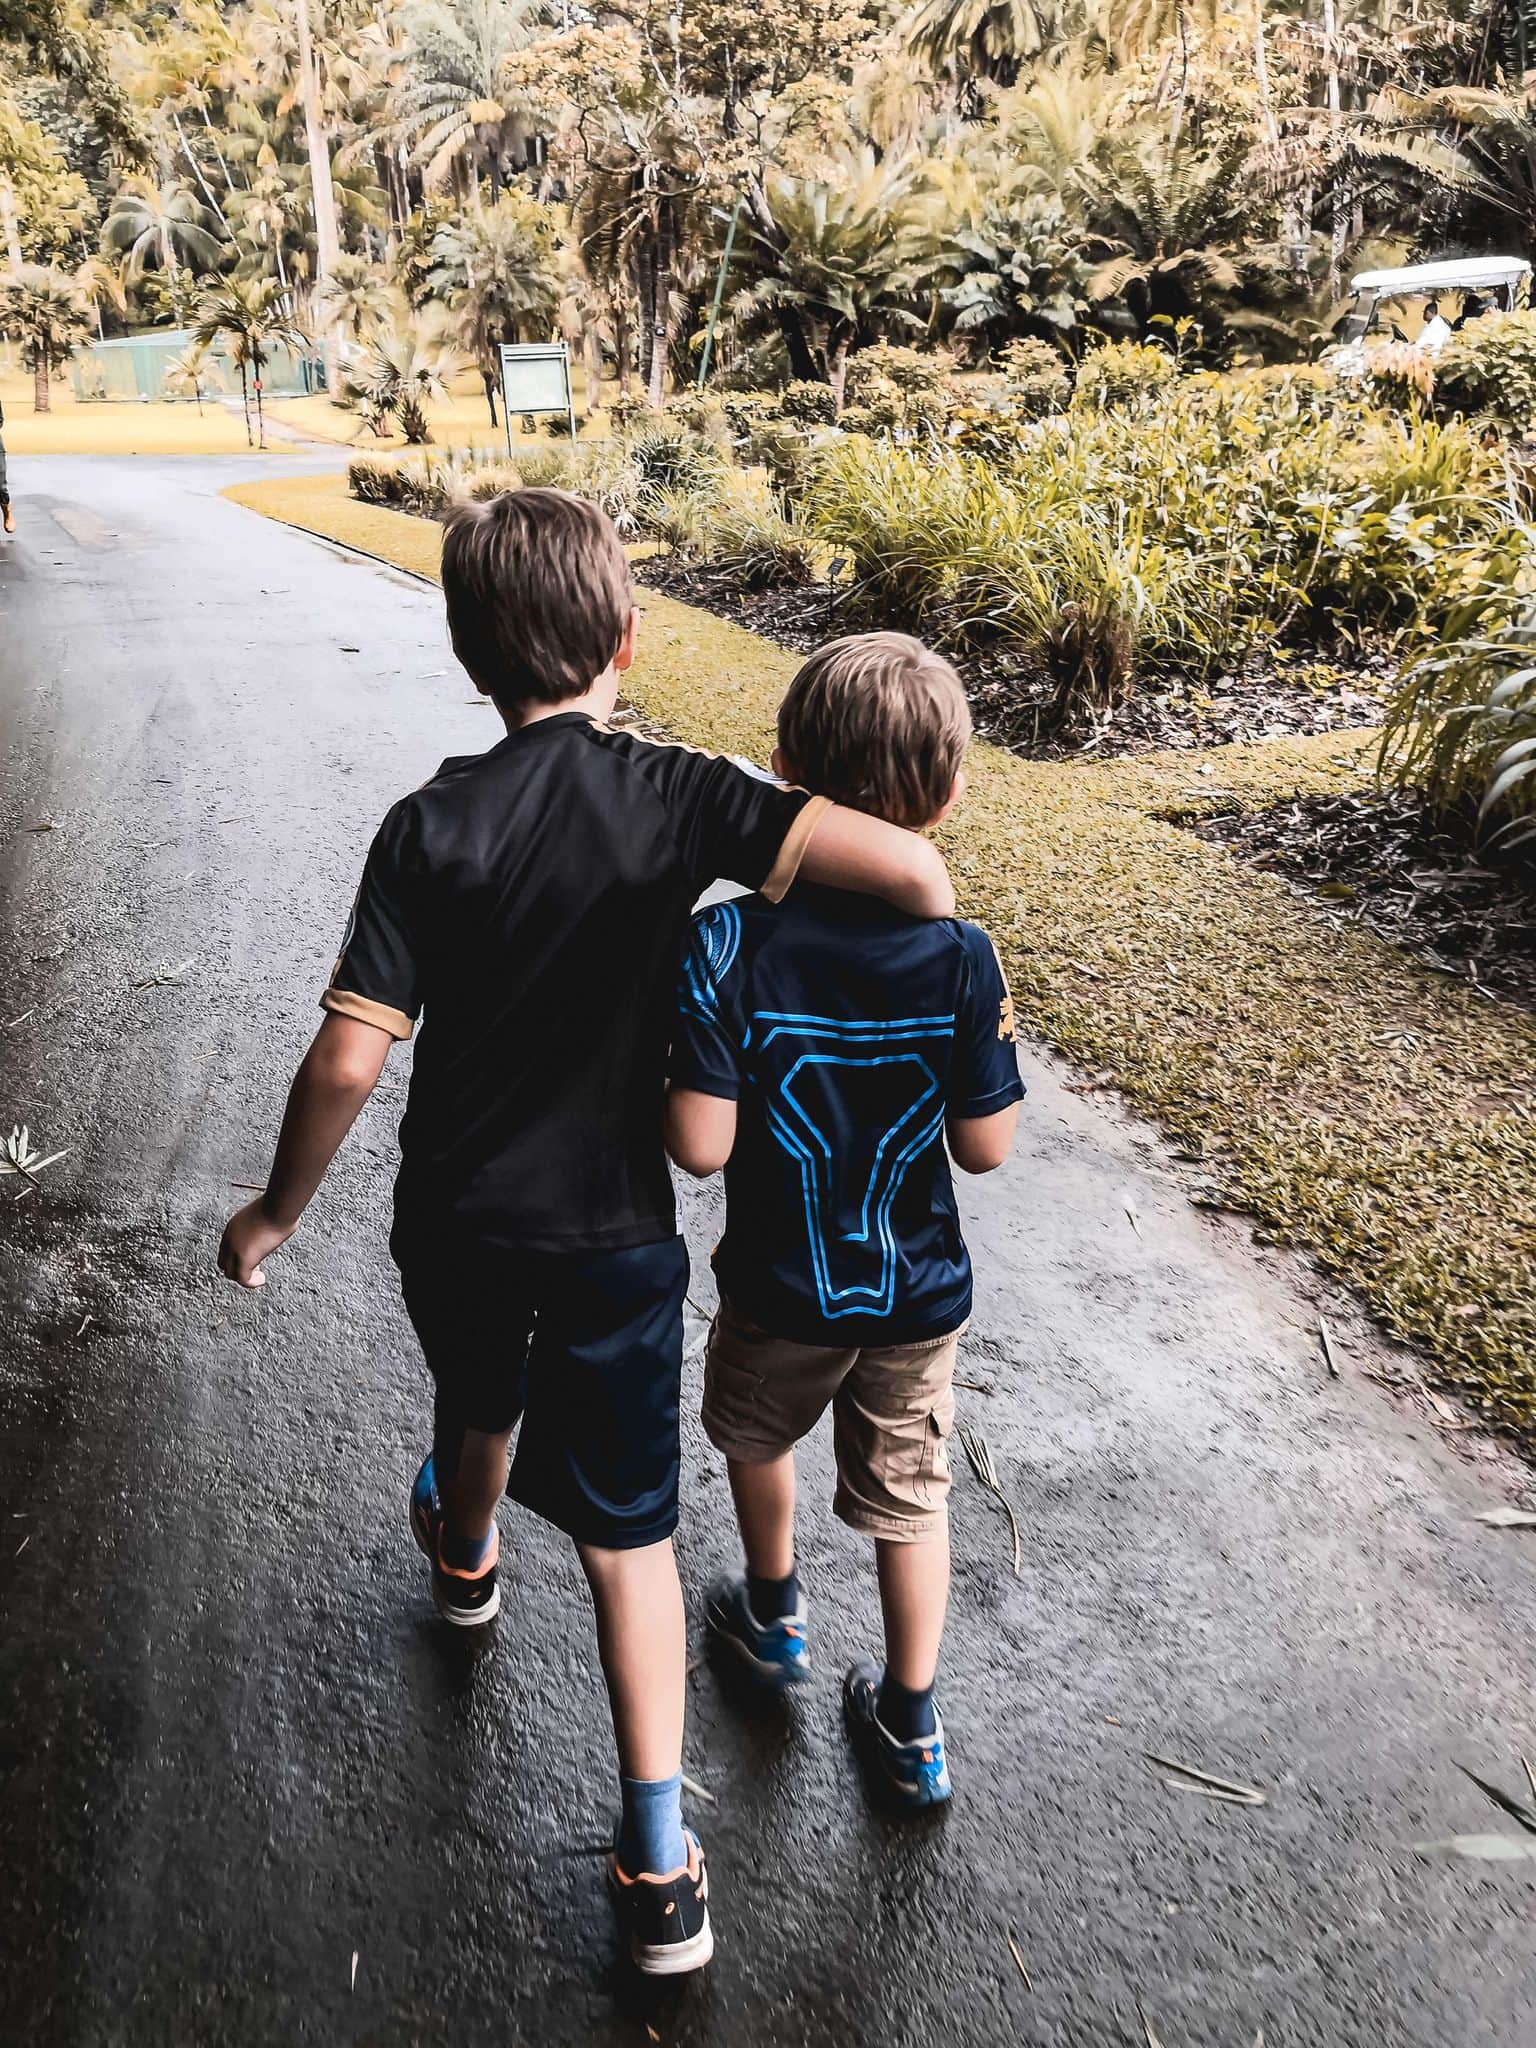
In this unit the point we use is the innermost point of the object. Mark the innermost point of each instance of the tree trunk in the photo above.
(8, 220)
(42, 397)
(802, 357)
(488, 378)
(245, 401)
(1338, 226)
(837, 366)
(622, 346)
(323, 191)
(197, 172)
(592, 355)
(172, 272)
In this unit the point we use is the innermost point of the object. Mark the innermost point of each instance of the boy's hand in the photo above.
(249, 1236)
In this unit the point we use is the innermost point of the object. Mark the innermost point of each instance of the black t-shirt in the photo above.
(533, 903)
(846, 1033)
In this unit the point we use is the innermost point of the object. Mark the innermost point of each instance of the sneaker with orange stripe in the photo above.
(666, 1918)
(468, 1599)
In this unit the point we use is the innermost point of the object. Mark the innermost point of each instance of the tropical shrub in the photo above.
(899, 389)
(808, 403)
(1123, 373)
(1461, 726)
(1489, 367)
(1400, 374)
(741, 528)
(1035, 377)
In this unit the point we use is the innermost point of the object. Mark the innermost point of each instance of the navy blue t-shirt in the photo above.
(846, 1032)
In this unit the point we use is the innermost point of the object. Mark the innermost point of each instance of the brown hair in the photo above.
(538, 591)
(877, 721)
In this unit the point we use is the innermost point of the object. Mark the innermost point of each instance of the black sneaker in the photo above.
(912, 1774)
(467, 1599)
(666, 1918)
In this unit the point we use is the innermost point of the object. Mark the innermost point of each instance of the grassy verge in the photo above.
(1366, 1108)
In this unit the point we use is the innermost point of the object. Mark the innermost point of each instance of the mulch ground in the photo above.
(1275, 698)
(1373, 860)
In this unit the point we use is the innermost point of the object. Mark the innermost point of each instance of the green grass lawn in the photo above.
(1363, 1106)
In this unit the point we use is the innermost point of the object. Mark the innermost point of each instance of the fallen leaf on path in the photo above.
(975, 1386)
(1513, 1807)
(17, 1155)
(167, 977)
(1530, 1773)
(1508, 1518)
(1327, 1341)
(255, 1187)
(699, 1791)
(1154, 2040)
(979, 1451)
(1481, 1848)
(1132, 1218)
(22, 1018)
(353, 1985)
(22, 1545)
(1227, 1788)
(84, 1322)
(47, 825)
(1014, 1946)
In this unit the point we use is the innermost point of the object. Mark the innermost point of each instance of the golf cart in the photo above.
(1478, 284)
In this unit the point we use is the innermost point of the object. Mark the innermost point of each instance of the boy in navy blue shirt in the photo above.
(825, 1048)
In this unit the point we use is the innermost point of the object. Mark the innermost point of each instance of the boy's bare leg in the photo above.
(765, 1509)
(479, 1480)
(642, 1641)
(914, 1594)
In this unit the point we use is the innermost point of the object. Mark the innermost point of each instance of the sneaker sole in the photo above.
(677, 1958)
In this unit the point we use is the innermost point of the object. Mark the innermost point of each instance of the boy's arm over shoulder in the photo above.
(735, 823)
(704, 1070)
(985, 1086)
(377, 976)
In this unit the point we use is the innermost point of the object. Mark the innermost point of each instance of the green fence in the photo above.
(160, 365)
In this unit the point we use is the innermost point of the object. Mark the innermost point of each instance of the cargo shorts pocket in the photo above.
(932, 1483)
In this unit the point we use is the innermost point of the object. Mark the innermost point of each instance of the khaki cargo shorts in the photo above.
(892, 1411)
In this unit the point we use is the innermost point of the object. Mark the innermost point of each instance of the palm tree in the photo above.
(1173, 225)
(991, 39)
(830, 257)
(160, 227)
(1469, 147)
(359, 298)
(449, 105)
(41, 309)
(397, 373)
(248, 317)
(497, 273)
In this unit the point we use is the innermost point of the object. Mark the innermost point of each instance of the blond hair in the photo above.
(879, 722)
(538, 591)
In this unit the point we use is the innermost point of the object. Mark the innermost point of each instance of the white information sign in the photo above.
(536, 378)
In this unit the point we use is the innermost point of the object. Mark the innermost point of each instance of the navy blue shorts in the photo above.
(587, 1347)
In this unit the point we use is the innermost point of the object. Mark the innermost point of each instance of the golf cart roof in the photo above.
(1468, 274)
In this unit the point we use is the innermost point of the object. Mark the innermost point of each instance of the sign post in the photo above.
(536, 378)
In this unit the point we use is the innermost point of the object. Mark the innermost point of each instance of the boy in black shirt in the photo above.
(533, 901)
(824, 1049)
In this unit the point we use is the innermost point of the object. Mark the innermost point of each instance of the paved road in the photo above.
(237, 1750)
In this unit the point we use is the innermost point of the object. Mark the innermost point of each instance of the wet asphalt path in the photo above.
(235, 1748)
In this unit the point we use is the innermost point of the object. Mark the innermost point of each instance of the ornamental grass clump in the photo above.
(1461, 726)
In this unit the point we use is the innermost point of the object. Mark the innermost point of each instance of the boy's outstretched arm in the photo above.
(849, 850)
(335, 1079)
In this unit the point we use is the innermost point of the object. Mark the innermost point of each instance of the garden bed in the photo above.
(1278, 696)
(1374, 860)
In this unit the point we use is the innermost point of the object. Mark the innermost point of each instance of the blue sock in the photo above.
(651, 1826)
(903, 1712)
(773, 1599)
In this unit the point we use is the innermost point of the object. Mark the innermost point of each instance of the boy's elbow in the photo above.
(930, 892)
(697, 1161)
(978, 1158)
